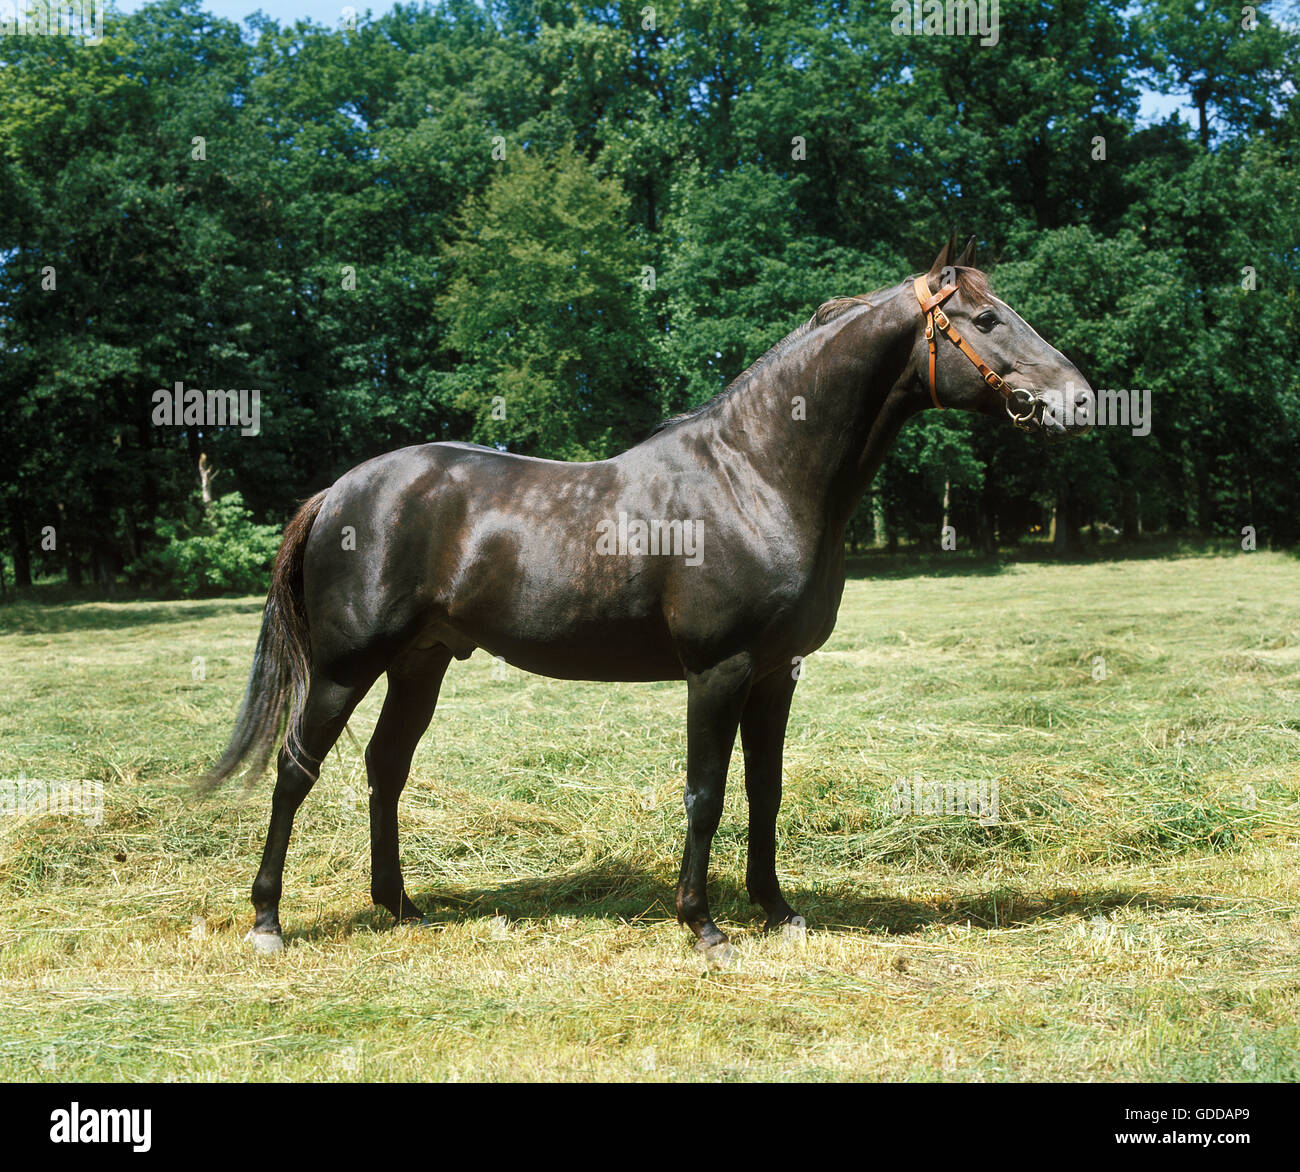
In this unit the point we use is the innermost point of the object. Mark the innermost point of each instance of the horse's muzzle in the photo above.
(1055, 415)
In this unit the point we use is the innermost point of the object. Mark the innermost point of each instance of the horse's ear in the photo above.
(944, 259)
(967, 258)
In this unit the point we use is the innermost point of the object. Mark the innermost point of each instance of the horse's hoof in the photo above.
(719, 956)
(795, 929)
(415, 922)
(267, 942)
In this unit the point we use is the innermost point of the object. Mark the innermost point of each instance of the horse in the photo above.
(420, 556)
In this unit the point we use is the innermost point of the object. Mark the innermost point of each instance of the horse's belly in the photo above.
(596, 663)
(615, 652)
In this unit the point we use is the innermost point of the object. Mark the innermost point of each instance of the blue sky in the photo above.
(1155, 107)
(284, 11)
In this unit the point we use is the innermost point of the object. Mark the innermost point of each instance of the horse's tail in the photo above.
(277, 685)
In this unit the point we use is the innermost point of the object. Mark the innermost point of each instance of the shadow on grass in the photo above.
(883, 566)
(91, 615)
(636, 894)
(912, 563)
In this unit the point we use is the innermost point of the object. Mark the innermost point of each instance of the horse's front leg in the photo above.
(715, 700)
(762, 735)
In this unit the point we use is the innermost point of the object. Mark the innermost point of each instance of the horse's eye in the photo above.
(987, 320)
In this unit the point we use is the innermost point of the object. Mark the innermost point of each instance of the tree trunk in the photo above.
(1184, 509)
(1129, 510)
(1205, 510)
(18, 546)
(1061, 536)
(877, 520)
(71, 563)
(104, 561)
(207, 474)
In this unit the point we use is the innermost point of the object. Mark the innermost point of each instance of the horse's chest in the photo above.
(813, 615)
(797, 615)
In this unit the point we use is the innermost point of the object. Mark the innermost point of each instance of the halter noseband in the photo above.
(1029, 417)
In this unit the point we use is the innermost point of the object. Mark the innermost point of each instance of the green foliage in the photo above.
(228, 554)
(544, 312)
(325, 214)
(742, 271)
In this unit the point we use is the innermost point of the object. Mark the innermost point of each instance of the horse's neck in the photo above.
(815, 424)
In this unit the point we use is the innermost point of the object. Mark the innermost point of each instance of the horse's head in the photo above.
(977, 354)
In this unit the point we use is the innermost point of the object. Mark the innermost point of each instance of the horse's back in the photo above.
(469, 546)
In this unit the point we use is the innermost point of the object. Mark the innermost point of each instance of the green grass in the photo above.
(1133, 914)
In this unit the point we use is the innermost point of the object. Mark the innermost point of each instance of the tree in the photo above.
(544, 311)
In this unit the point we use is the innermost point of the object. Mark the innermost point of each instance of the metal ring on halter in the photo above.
(1030, 415)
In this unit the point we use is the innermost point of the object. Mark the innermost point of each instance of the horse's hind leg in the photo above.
(325, 712)
(413, 682)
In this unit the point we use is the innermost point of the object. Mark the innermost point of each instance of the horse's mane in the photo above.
(971, 283)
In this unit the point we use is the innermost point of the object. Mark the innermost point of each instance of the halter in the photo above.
(1030, 415)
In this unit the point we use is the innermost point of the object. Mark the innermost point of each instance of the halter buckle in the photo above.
(940, 319)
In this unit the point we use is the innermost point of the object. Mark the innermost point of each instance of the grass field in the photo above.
(1134, 913)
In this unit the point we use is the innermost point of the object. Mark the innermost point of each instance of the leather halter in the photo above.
(936, 321)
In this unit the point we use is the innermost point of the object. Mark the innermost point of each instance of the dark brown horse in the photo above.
(713, 551)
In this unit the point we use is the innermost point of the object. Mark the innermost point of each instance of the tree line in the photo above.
(546, 225)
